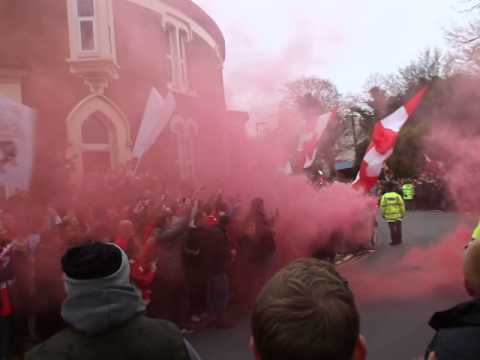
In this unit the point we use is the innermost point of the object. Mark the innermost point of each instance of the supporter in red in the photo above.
(6, 306)
(209, 218)
(166, 247)
(23, 289)
(48, 280)
(125, 238)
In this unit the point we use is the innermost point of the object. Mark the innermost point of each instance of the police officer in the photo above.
(393, 211)
(408, 190)
(475, 235)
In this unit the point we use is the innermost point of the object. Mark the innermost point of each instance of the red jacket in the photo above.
(6, 277)
(6, 308)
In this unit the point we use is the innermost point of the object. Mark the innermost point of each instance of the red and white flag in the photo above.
(309, 140)
(385, 136)
(434, 166)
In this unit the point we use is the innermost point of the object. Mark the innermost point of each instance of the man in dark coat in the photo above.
(105, 314)
(217, 256)
(458, 329)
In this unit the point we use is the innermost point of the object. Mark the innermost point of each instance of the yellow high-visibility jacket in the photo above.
(408, 191)
(392, 207)
(476, 233)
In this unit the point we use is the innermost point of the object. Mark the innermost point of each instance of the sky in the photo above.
(270, 42)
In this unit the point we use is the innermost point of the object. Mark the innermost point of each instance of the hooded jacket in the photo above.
(457, 332)
(106, 321)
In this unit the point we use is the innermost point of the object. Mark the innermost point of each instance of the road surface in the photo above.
(395, 328)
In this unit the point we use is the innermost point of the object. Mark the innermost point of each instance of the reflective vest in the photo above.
(408, 191)
(476, 233)
(392, 207)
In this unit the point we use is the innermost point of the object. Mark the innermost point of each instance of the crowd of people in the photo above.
(124, 266)
(196, 257)
(305, 311)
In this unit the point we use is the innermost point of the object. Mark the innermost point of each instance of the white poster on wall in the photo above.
(17, 124)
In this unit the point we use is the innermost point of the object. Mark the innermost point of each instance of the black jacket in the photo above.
(216, 251)
(141, 338)
(457, 332)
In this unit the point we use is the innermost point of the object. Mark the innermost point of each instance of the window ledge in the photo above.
(97, 72)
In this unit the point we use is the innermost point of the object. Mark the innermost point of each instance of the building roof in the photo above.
(202, 18)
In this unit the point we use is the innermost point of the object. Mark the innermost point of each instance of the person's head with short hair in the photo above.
(471, 269)
(307, 312)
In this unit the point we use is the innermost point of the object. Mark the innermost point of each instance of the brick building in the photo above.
(87, 68)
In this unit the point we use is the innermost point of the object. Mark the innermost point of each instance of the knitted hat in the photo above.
(92, 261)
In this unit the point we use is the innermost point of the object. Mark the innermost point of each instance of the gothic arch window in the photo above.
(95, 129)
(98, 135)
(98, 141)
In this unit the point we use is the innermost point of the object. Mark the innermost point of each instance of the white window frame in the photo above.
(172, 51)
(103, 26)
(93, 19)
(177, 55)
(100, 147)
(182, 59)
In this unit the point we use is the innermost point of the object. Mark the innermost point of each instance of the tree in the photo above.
(465, 39)
(430, 64)
(310, 89)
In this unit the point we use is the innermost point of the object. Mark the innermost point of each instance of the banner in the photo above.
(17, 123)
(310, 137)
(156, 116)
(384, 138)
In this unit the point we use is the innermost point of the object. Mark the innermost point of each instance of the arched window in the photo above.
(94, 130)
(98, 135)
(97, 143)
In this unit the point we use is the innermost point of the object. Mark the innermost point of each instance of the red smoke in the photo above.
(419, 273)
(309, 217)
(460, 156)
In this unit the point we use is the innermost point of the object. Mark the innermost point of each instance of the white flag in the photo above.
(156, 116)
(17, 124)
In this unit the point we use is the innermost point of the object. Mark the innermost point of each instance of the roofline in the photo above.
(213, 27)
(200, 16)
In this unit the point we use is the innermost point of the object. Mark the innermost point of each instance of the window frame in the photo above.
(171, 53)
(177, 55)
(78, 21)
(183, 59)
(107, 147)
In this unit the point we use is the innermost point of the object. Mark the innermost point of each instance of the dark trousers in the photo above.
(197, 291)
(410, 204)
(217, 296)
(6, 332)
(396, 231)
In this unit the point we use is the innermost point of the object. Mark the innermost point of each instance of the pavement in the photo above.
(396, 328)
